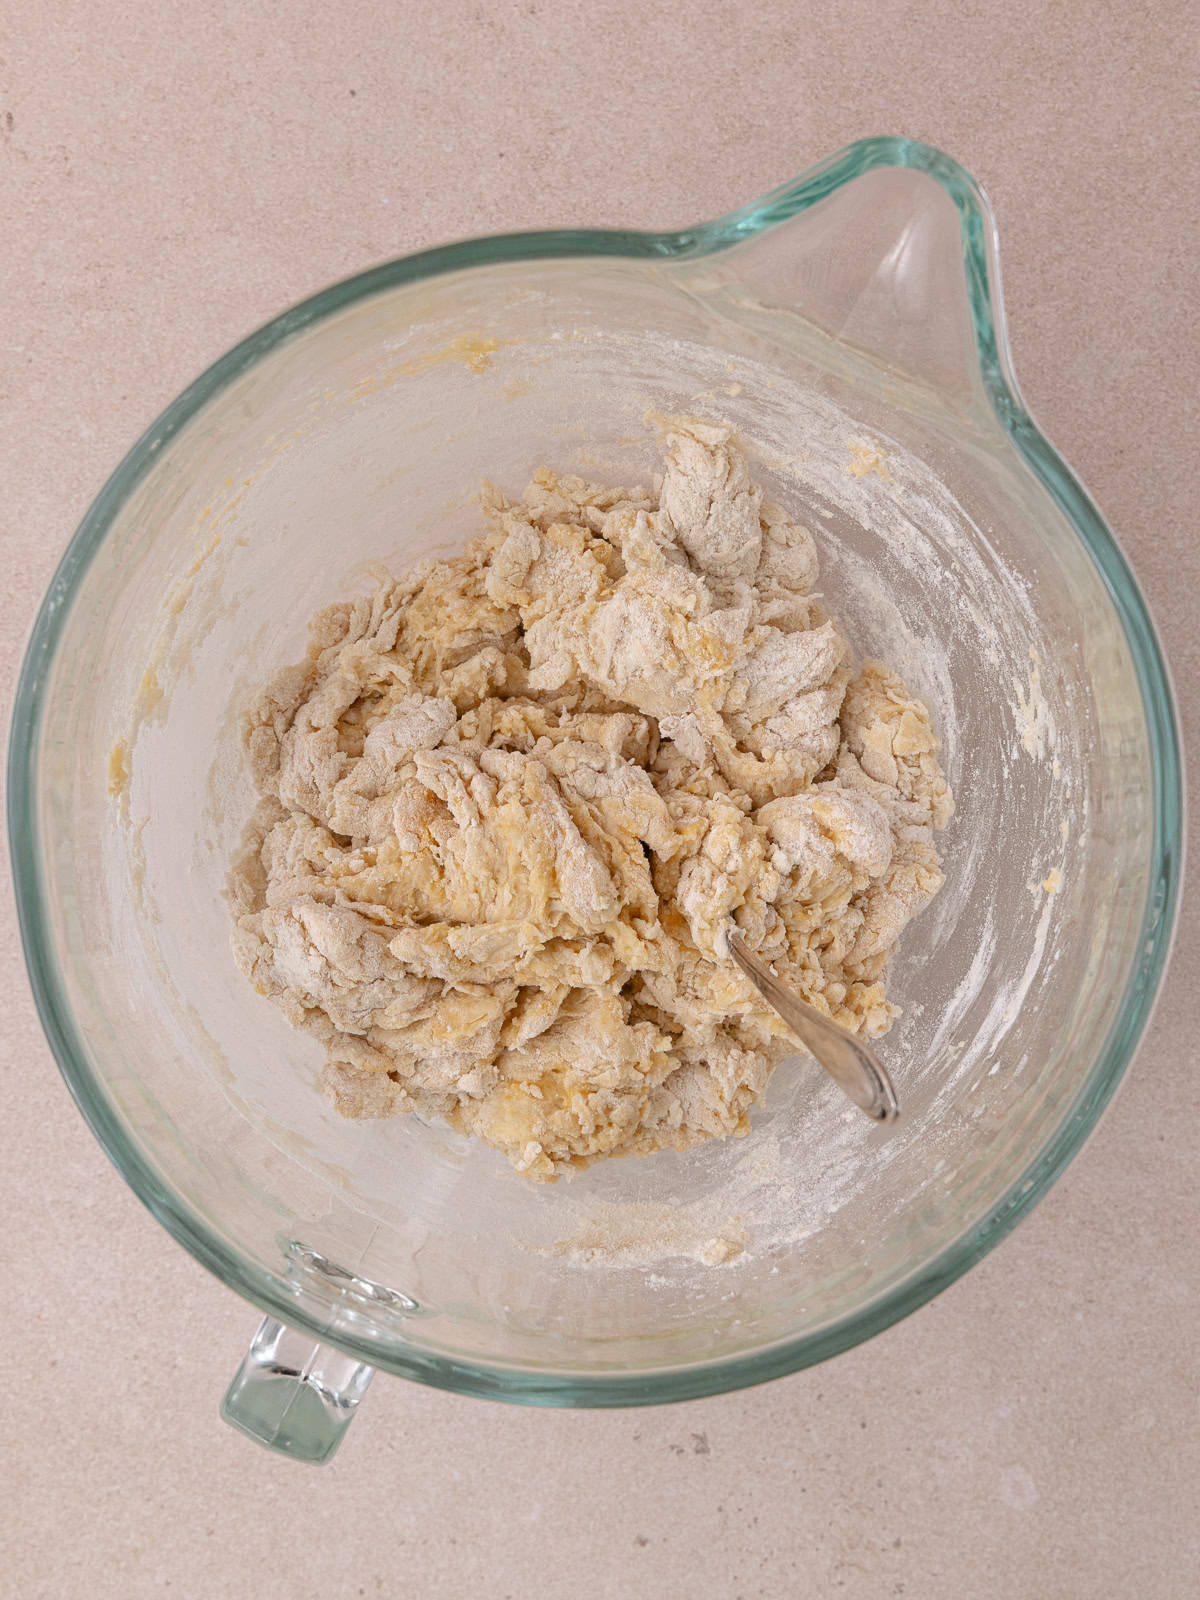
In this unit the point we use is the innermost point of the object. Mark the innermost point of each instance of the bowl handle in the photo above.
(294, 1395)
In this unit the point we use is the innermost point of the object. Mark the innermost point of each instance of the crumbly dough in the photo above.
(510, 800)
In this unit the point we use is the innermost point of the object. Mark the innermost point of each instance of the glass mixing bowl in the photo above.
(850, 326)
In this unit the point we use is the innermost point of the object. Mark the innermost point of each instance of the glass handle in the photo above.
(294, 1395)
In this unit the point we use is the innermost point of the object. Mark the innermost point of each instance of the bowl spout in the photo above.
(894, 259)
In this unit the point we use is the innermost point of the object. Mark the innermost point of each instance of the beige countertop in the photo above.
(170, 175)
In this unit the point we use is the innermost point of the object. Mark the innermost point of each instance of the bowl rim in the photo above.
(513, 1382)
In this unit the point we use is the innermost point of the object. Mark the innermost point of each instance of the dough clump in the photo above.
(510, 801)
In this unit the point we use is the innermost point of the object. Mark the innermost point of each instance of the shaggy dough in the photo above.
(509, 801)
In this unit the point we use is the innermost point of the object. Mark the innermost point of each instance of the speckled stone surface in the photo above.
(172, 174)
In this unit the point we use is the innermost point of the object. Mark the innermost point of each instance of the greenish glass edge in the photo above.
(599, 1389)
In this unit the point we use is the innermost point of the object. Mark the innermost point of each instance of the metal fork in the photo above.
(851, 1063)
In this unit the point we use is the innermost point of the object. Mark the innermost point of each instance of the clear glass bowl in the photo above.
(850, 325)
